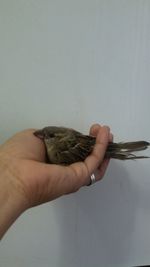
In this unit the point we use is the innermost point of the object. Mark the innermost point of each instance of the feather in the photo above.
(124, 150)
(65, 146)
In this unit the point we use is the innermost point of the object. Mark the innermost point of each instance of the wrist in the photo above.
(12, 202)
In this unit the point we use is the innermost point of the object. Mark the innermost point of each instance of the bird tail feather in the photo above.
(124, 151)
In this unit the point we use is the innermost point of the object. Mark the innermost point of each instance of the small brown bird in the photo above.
(65, 146)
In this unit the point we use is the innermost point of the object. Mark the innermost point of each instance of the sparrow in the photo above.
(65, 146)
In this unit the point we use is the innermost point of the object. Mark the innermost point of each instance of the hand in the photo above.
(34, 182)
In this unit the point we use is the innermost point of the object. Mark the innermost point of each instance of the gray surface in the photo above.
(73, 63)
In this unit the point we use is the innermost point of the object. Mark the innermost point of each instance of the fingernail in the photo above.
(107, 127)
(111, 137)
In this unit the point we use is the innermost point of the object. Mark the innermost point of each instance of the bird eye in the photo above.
(52, 135)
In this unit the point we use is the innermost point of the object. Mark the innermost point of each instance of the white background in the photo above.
(73, 63)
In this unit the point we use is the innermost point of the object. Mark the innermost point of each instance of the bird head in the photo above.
(51, 132)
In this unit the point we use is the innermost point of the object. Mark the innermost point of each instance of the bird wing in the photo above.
(77, 149)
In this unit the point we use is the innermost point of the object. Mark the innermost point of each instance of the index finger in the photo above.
(96, 157)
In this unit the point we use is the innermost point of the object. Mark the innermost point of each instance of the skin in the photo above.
(26, 180)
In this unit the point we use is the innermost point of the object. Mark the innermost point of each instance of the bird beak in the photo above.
(39, 134)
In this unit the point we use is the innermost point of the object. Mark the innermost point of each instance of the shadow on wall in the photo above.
(97, 222)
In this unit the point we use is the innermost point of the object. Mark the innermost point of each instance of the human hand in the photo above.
(24, 155)
(32, 182)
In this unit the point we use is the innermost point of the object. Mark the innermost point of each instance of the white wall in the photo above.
(73, 63)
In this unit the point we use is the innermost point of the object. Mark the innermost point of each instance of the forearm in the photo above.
(11, 203)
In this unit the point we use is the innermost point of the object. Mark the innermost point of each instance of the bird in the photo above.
(65, 146)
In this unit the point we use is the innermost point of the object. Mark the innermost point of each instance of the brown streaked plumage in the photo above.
(65, 146)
